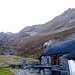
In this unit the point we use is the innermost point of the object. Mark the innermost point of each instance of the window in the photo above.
(55, 60)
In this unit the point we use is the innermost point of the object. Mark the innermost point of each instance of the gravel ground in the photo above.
(22, 72)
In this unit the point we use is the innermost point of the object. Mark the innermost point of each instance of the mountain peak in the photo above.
(70, 13)
(71, 9)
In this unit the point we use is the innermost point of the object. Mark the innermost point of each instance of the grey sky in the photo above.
(17, 14)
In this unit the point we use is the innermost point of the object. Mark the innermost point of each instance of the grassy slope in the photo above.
(34, 48)
(7, 60)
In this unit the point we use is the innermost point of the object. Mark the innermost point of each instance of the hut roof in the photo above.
(65, 47)
(71, 55)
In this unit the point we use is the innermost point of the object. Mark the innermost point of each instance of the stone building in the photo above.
(57, 59)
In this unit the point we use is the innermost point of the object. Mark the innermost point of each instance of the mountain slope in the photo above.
(35, 47)
(30, 40)
(4, 37)
(65, 20)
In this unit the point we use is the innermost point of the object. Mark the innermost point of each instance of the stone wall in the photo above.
(46, 60)
(64, 62)
(63, 66)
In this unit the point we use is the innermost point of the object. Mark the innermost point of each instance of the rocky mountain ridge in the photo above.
(29, 41)
(5, 36)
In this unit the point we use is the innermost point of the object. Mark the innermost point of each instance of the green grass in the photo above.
(16, 67)
(5, 71)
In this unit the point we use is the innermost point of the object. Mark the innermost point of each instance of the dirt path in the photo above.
(22, 72)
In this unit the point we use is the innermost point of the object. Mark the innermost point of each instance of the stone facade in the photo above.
(62, 67)
(46, 60)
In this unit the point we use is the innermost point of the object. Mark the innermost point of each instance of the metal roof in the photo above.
(71, 55)
(65, 47)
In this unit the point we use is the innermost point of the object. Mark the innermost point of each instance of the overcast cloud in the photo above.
(17, 14)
